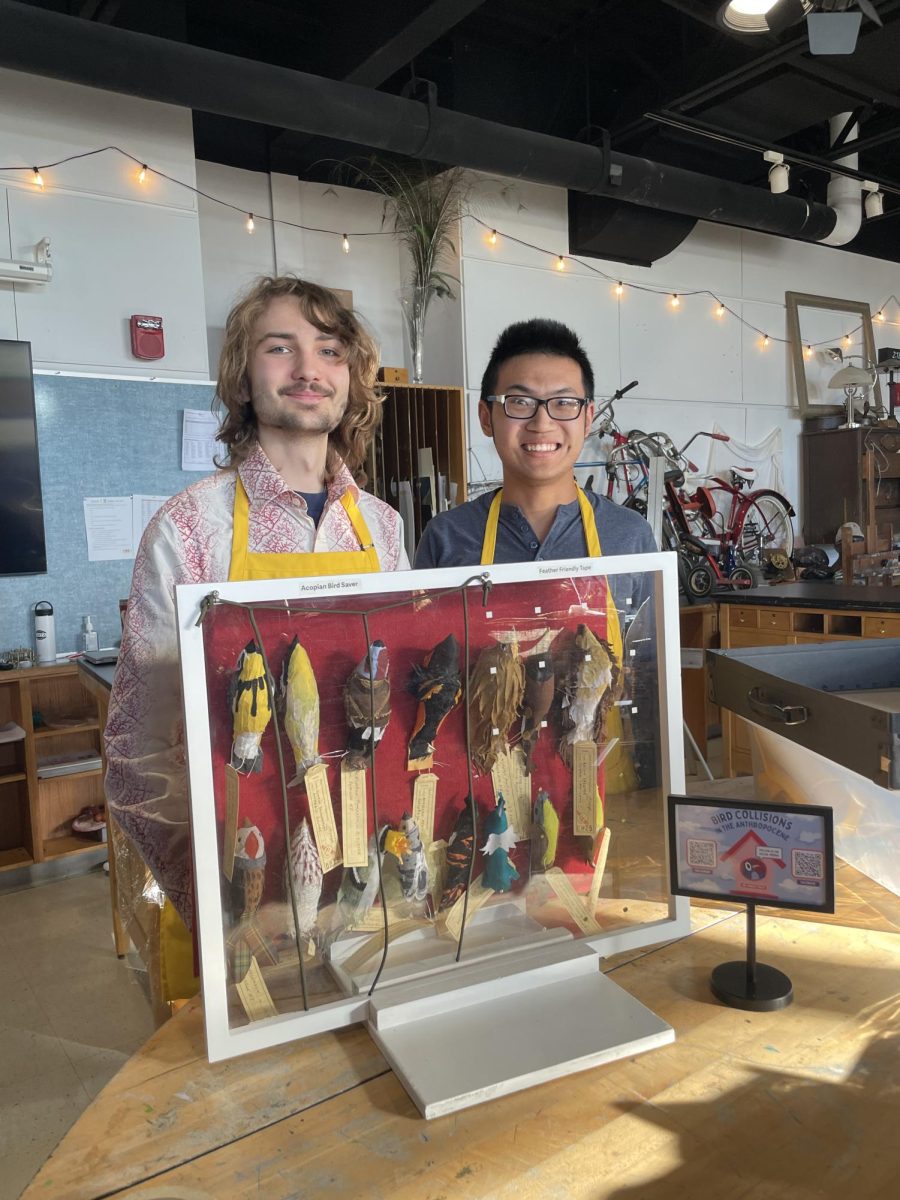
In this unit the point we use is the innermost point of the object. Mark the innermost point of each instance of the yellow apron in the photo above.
(176, 946)
(619, 769)
(248, 565)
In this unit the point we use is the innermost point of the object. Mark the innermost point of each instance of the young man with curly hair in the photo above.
(297, 386)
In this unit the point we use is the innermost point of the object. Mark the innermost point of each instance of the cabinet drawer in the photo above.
(775, 619)
(874, 627)
(743, 618)
(758, 637)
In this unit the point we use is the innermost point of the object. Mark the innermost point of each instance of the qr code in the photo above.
(701, 855)
(807, 864)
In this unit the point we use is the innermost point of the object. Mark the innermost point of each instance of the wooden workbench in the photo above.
(801, 1103)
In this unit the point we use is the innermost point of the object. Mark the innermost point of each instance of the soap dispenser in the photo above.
(90, 639)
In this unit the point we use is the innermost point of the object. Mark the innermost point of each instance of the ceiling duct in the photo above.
(51, 44)
(604, 228)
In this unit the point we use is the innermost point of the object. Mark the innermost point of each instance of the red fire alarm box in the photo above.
(147, 337)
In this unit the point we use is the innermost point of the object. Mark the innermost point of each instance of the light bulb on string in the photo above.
(38, 178)
(619, 289)
(807, 351)
(250, 223)
(345, 243)
(142, 173)
(847, 340)
(879, 316)
(560, 263)
(765, 341)
(492, 237)
(675, 300)
(720, 309)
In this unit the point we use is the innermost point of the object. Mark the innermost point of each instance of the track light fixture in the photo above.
(779, 171)
(874, 202)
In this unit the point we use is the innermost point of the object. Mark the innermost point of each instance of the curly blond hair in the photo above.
(322, 308)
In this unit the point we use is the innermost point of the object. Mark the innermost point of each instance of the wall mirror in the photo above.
(826, 334)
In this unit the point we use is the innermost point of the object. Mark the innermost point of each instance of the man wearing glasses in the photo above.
(537, 405)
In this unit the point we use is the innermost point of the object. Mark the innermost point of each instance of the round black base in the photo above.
(771, 990)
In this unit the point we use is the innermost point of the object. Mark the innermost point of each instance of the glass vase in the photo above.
(414, 301)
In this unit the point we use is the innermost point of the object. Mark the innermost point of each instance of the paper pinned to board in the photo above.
(198, 440)
(114, 525)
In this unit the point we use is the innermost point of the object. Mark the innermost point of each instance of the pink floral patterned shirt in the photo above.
(189, 541)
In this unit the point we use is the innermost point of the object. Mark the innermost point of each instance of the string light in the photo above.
(38, 178)
(675, 300)
(345, 243)
(142, 173)
(492, 237)
(619, 288)
(560, 263)
(720, 309)
(807, 352)
(765, 340)
(879, 316)
(251, 224)
(847, 341)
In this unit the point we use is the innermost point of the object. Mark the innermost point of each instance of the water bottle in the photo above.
(44, 634)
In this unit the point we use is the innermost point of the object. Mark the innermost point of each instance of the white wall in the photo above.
(118, 247)
(694, 369)
(232, 257)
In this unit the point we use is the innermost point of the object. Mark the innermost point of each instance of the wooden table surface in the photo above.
(798, 1104)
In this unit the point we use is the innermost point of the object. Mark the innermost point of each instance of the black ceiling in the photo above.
(566, 68)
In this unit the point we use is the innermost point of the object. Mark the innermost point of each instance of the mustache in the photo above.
(306, 387)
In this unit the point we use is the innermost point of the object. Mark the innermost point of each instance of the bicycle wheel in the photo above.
(764, 526)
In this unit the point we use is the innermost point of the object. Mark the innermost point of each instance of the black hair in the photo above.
(537, 336)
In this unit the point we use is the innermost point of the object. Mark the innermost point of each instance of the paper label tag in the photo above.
(584, 788)
(571, 901)
(232, 805)
(596, 882)
(436, 858)
(321, 812)
(254, 994)
(509, 777)
(478, 897)
(354, 823)
(375, 944)
(424, 797)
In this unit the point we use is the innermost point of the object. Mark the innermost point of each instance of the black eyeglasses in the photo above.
(521, 408)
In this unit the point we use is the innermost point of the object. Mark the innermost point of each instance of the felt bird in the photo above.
(495, 694)
(367, 690)
(544, 833)
(460, 847)
(248, 699)
(589, 690)
(305, 867)
(499, 871)
(540, 685)
(300, 698)
(437, 686)
(413, 864)
(248, 876)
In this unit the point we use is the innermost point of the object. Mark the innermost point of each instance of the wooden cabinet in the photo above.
(834, 486)
(422, 427)
(764, 625)
(59, 719)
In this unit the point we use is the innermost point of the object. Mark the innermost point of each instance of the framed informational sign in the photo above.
(774, 854)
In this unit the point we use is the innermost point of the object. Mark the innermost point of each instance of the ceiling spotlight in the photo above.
(762, 16)
(874, 202)
(779, 171)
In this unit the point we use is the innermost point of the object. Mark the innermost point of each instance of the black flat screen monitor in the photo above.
(23, 550)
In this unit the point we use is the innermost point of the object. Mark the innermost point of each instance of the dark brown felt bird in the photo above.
(438, 687)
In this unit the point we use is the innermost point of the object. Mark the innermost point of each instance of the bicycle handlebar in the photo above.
(622, 391)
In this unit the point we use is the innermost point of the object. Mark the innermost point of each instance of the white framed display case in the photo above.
(428, 800)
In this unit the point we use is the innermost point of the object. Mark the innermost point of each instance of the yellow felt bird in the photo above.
(248, 699)
(300, 697)
(589, 692)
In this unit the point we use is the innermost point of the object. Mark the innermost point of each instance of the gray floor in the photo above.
(71, 1014)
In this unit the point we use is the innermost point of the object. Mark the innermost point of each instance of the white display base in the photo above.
(495, 929)
(495, 1027)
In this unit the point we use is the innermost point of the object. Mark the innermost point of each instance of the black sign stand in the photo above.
(750, 984)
